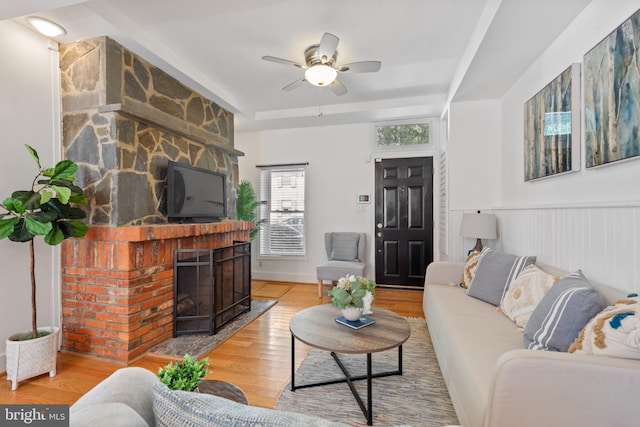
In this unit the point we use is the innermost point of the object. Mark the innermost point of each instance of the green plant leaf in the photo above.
(55, 236)
(14, 205)
(64, 169)
(34, 154)
(45, 196)
(63, 193)
(73, 228)
(36, 227)
(30, 199)
(7, 226)
(20, 232)
(44, 216)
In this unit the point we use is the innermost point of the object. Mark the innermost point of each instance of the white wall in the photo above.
(339, 169)
(28, 115)
(474, 165)
(588, 219)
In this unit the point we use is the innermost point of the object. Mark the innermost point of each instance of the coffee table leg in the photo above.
(293, 363)
(369, 397)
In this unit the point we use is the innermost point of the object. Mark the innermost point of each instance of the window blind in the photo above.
(282, 189)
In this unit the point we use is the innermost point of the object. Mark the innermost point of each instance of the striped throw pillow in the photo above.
(495, 273)
(563, 312)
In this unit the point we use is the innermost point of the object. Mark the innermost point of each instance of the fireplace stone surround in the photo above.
(123, 120)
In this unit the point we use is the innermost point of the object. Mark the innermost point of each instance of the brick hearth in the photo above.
(117, 284)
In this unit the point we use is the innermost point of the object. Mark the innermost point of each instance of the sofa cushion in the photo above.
(470, 268)
(562, 313)
(344, 246)
(176, 408)
(525, 293)
(615, 331)
(494, 274)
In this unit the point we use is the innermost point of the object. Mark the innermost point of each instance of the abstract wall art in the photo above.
(552, 127)
(612, 96)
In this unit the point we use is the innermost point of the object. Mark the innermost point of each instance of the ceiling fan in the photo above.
(320, 65)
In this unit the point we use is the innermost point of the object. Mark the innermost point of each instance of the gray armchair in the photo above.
(345, 254)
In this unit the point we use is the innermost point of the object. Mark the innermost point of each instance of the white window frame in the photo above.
(293, 233)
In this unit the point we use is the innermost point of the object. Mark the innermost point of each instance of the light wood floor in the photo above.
(257, 358)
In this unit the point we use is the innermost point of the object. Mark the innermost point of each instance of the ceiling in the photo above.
(432, 51)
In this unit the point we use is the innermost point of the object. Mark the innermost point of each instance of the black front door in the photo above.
(404, 220)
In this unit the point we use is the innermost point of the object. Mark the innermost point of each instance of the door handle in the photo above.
(379, 225)
(379, 234)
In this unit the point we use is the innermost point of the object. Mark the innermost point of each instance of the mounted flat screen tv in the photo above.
(194, 194)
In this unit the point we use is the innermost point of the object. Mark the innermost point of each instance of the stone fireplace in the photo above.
(123, 120)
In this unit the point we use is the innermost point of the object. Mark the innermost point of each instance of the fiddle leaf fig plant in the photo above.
(46, 209)
(184, 374)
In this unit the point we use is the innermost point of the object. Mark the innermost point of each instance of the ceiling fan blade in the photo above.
(328, 46)
(283, 61)
(295, 84)
(338, 88)
(361, 67)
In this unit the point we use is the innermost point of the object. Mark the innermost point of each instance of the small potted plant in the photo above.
(184, 374)
(45, 209)
(351, 295)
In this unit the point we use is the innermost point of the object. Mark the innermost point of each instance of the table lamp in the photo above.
(479, 226)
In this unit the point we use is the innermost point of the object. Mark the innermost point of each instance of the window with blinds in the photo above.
(282, 190)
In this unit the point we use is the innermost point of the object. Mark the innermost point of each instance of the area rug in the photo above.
(418, 398)
(198, 345)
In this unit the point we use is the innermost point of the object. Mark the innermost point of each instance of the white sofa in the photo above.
(494, 381)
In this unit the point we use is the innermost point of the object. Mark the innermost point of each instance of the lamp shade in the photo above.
(479, 226)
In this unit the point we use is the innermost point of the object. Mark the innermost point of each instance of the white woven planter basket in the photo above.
(27, 359)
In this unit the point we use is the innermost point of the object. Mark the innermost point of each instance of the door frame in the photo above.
(437, 131)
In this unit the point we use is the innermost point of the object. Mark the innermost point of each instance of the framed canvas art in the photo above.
(552, 127)
(612, 96)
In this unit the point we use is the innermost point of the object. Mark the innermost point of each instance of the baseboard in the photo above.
(283, 277)
(3, 363)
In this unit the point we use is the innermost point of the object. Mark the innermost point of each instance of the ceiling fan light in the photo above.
(45, 27)
(320, 75)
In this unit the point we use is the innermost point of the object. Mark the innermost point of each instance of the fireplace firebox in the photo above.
(211, 287)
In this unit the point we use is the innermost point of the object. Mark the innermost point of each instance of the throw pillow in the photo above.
(344, 247)
(562, 313)
(470, 269)
(176, 408)
(615, 331)
(525, 293)
(495, 273)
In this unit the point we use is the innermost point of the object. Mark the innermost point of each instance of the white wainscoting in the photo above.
(602, 241)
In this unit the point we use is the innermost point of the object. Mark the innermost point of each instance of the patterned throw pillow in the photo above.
(495, 273)
(562, 313)
(470, 269)
(176, 408)
(615, 331)
(525, 293)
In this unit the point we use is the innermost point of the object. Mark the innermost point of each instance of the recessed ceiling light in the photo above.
(46, 27)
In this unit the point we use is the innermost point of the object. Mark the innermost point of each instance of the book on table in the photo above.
(356, 324)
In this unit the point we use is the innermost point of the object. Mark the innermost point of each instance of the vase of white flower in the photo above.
(350, 295)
